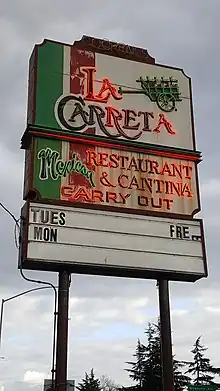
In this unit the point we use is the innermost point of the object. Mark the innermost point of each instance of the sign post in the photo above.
(48, 385)
(62, 330)
(166, 338)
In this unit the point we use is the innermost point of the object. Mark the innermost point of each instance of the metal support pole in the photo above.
(166, 340)
(1, 321)
(62, 331)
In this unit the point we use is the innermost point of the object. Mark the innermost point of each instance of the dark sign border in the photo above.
(30, 264)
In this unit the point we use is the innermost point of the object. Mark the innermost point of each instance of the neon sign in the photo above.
(155, 184)
(52, 166)
(118, 178)
(113, 122)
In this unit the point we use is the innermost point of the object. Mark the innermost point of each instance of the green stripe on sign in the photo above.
(49, 82)
(44, 183)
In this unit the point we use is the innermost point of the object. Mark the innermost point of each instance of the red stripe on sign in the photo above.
(75, 179)
(80, 58)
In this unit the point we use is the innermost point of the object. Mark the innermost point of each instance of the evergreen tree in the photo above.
(153, 370)
(89, 383)
(200, 367)
(138, 367)
(147, 369)
(181, 380)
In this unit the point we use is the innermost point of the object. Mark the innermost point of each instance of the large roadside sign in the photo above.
(111, 166)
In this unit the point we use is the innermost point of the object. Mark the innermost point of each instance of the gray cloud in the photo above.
(179, 33)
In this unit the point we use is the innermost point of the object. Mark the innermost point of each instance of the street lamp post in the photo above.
(14, 297)
(49, 285)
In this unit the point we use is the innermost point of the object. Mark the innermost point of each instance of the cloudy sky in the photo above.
(107, 315)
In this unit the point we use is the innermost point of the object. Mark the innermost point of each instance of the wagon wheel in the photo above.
(166, 102)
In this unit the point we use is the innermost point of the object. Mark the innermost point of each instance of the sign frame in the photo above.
(94, 269)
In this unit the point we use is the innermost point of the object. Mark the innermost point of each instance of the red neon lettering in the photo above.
(120, 181)
(81, 194)
(115, 115)
(106, 91)
(107, 86)
(112, 196)
(166, 123)
(91, 158)
(97, 194)
(66, 191)
(167, 202)
(124, 197)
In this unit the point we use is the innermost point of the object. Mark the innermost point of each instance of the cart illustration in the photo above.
(165, 92)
